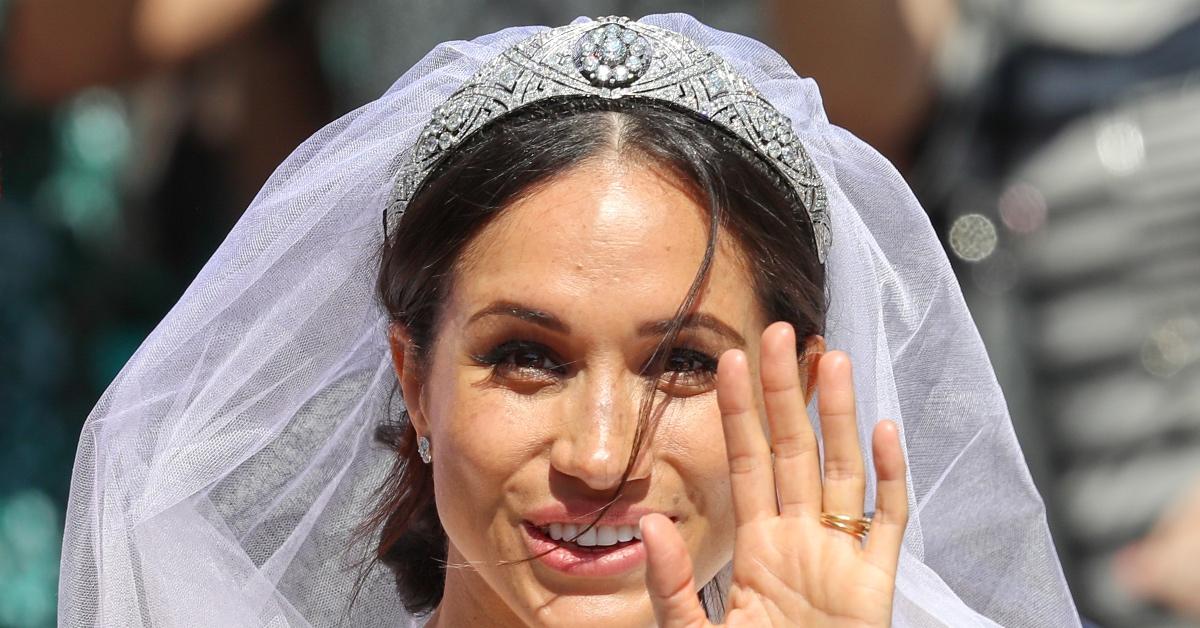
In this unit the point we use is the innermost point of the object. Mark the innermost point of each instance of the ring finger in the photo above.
(844, 474)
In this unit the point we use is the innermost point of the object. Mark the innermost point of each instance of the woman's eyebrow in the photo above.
(518, 311)
(698, 320)
(545, 319)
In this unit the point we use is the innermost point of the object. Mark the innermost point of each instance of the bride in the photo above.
(533, 339)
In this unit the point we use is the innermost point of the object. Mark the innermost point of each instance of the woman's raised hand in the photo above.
(788, 568)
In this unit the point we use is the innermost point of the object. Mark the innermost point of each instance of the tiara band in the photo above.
(614, 57)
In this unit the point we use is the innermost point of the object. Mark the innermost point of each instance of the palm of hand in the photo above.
(791, 571)
(788, 568)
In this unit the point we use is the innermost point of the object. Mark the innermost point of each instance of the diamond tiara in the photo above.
(614, 57)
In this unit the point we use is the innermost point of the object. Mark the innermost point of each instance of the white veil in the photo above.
(221, 476)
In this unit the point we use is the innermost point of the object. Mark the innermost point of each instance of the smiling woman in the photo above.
(557, 314)
(618, 262)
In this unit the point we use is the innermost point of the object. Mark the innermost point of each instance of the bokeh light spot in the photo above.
(998, 273)
(96, 130)
(1022, 208)
(84, 203)
(1121, 146)
(973, 237)
(1172, 346)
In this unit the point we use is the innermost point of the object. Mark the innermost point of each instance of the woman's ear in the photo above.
(814, 348)
(404, 361)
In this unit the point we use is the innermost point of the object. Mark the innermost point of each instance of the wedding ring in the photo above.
(858, 527)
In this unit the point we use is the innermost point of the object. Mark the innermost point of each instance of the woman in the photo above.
(613, 259)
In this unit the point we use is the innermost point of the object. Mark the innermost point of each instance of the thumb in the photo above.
(669, 577)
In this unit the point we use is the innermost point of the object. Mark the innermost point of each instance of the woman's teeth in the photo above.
(596, 536)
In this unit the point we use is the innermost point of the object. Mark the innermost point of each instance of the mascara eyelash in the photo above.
(496, 356)
(708, 363)
(691, 378)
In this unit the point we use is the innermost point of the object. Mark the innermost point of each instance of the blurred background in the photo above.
(1055, 143)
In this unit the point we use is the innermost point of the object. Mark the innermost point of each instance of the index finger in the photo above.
(750, 473)
(797, 461)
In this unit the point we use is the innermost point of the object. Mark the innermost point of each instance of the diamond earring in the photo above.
(423, 449)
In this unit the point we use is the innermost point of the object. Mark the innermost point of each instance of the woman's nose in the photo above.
(598, 432)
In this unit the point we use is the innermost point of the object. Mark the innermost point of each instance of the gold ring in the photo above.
(858, 527)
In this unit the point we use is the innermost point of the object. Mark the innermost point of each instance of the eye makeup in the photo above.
(522, 358)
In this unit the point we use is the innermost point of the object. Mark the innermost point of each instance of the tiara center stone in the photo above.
(612, 55)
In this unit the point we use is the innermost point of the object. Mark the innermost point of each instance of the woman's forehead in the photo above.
(604, 232)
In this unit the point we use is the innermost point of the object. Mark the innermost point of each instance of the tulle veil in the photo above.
(220, 478)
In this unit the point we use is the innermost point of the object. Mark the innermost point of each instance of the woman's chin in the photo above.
(576, 586)
(626, 607)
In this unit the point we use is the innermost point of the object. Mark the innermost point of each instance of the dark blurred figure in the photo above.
(1056, 144)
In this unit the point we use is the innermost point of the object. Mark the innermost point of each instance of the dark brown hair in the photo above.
(511, 157)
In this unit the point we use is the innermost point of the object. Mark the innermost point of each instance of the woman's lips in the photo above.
(599, 555)
(584, 513)
(594, 562)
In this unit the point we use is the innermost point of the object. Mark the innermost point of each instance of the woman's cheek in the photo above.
(494, 431)
(483, 444)
(468, 462)
(692, 443)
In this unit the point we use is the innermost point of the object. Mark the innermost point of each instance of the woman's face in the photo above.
(533, 389)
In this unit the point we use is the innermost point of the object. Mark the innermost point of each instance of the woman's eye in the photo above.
(520, 357)
(689, 363)
(530, 359)
(688, 372)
